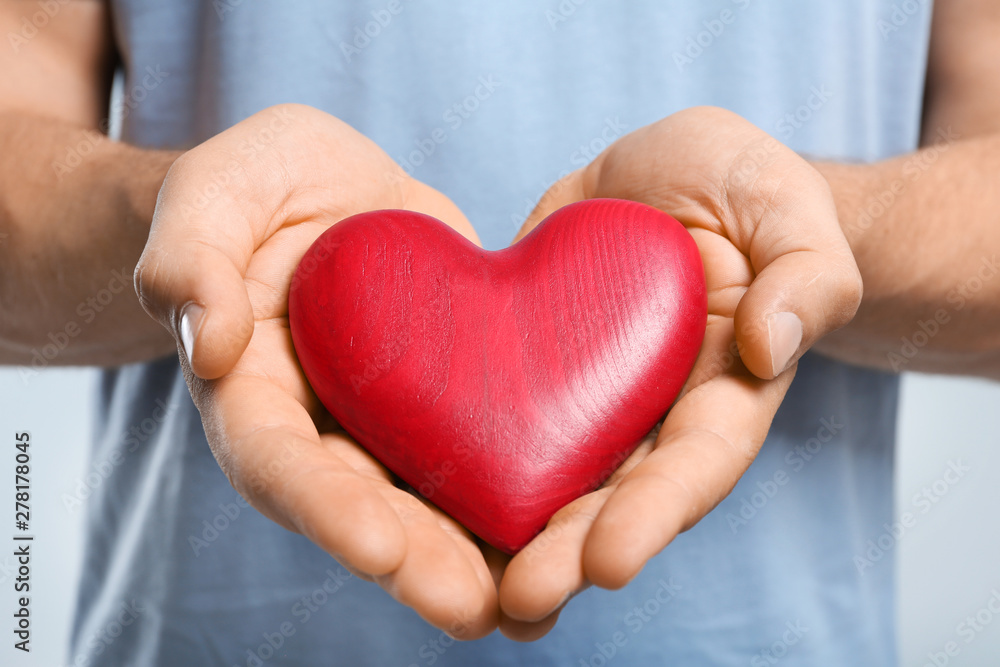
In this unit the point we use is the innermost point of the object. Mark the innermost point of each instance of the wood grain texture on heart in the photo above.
(500, 384)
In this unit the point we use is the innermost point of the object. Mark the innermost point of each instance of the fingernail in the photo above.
(191, 317)
(784, 334)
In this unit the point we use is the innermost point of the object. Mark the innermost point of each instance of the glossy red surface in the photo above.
(500, 385)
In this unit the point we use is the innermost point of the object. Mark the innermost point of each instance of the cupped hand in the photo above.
(780, 275)
(233, 218)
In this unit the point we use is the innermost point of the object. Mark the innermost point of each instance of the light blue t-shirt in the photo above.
(490, 103)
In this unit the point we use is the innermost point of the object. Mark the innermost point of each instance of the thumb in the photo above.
(799, 295)
(565, 191)
(190, 279)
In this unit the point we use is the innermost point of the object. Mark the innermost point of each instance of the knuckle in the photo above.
(142, 281)
(149, 284)
(854, 292)
(180, 166)
(848, 289)
(849, 281)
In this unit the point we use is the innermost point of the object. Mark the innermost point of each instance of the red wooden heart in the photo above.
(501, 385)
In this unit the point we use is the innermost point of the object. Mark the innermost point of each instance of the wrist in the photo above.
(858, 208)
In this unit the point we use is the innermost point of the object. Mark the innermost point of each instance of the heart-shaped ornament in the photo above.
(501, 385)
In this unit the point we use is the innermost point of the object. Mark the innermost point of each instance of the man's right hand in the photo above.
(233, 219)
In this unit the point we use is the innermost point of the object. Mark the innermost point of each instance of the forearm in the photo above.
(75, 213)
(925, 231)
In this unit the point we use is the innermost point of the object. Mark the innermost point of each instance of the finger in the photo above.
(548, 572)
(528, 632)
(226, 197)
(565, 191)
(360, 519)
(797, 298)
(737, 181)
(807, 283)
(439, 550)
(196, 265)
(443, 576)
(192, 283)
(701, 452)
(803, 280)
(269, 449)
(542, 576)
(333, 492)
(213, 210)
(496, 561)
